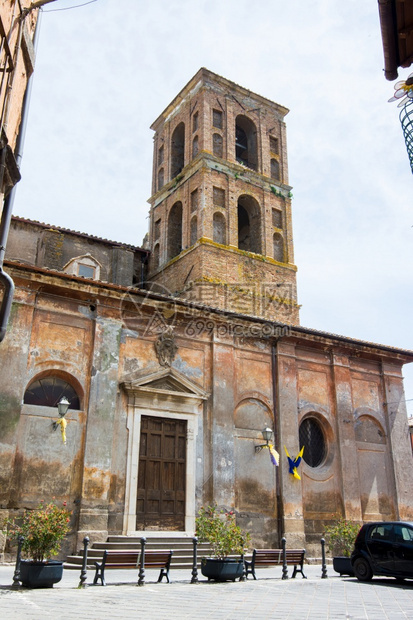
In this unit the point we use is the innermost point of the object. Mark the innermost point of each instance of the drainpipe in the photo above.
(5, 279)
(280, 509)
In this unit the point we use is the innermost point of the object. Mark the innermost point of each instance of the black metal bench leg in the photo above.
(163, 573)
(100, 574)
(298, 570)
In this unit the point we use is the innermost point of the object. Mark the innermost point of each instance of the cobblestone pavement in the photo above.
(268, 597)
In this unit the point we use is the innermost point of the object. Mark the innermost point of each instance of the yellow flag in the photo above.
(63, 424)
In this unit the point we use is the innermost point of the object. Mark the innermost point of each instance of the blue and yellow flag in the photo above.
(294, 463)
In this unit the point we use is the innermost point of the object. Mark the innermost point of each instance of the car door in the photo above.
(379, 544)
(403, 549)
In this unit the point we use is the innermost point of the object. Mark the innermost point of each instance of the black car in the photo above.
(384, 548)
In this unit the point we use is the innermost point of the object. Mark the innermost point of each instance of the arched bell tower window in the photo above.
(177, 150)
(249, 224)
(175, 230)
(48, 390)
(246, 142)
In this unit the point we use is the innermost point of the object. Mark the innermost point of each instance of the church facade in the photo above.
(175, 357)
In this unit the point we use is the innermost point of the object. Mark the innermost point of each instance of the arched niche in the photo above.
(217, 145)
(253, 414)
(368, 430)
(194, 230)
(278, 247)
(219, 224)
(275, 170)
(155, 257)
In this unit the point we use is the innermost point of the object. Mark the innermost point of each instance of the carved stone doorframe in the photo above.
(166, 393)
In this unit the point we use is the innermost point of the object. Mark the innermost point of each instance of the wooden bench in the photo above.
(133, 559)
(271, 557)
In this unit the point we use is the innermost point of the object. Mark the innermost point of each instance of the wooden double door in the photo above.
(160, 501)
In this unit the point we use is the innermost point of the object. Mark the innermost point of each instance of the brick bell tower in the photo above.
(220, 217)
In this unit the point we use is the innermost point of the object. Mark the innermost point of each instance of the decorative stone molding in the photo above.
(165, 347)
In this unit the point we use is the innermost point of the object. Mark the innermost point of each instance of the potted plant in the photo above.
(340, 537)
(220, 530)
(41, 531)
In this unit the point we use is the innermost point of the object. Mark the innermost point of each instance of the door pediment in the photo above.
(165, 381)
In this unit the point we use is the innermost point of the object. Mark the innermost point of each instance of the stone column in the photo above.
(399, 439)
(291, 489)
(222, 424)
(345, 437)
(93, 518)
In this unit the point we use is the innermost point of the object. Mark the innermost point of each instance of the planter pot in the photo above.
(222, 570)
(343, 566)
(40, 574)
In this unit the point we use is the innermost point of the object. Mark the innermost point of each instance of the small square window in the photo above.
(86, 271)
(217, 119)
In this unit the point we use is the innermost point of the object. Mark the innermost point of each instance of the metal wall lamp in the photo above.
(267, 434)
(62, 407)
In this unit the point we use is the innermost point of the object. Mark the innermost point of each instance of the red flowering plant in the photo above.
(340, 536)
(43, 530)
(220, 530)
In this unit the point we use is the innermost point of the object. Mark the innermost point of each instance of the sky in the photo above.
(107, 69)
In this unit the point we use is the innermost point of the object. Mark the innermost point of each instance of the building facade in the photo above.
(169, 394)
(17, 58)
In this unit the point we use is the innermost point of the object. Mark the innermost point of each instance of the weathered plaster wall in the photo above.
(103, 337)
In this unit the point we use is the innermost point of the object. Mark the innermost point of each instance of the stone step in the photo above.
(162, 544)
(188, 540)
(182, 548)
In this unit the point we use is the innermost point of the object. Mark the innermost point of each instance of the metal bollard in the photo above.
(16, 576)
(285, 568)
(323, 560)
(194, 561)
(141, 580)
(83, 572)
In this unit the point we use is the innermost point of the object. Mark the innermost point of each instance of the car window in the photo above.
(403, 534)
(382, 532)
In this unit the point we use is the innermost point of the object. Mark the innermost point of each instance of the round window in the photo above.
(312, 438)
